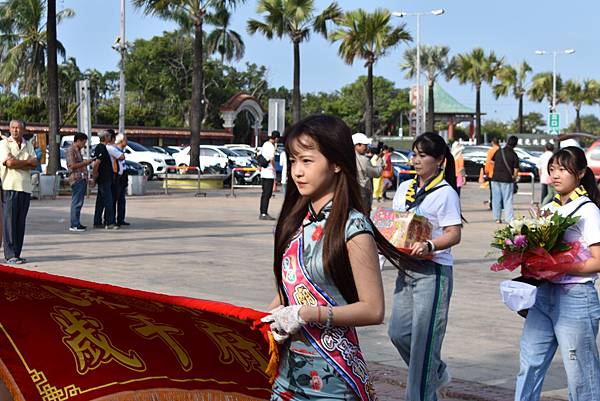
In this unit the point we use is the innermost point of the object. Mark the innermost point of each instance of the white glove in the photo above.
(285, 320)
(278, 334)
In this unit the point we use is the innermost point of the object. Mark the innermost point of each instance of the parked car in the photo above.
(172, 149)
(474, 165)
(593, 158)
(209, 156)
(158, 149)
(237, 159)
(153, 162)
(133, 168)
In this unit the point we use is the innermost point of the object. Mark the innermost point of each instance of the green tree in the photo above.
(531, 122)
(589, 123)
(190, 14)
(476, 68)
(222, 40)
(495, 129)
(541, 88)
(434, 62)
(514, 82)
(23, 43)
(294, 19)
(368, 36)
(578, 94)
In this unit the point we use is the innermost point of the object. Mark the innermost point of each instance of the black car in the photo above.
(474, 165)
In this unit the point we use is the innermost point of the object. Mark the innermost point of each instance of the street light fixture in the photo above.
(554, 54)
(402, 14)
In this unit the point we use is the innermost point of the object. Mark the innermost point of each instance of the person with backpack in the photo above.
(266, 160)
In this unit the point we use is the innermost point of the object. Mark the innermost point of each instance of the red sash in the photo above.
(339, 345)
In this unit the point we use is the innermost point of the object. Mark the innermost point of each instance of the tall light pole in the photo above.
(121, 46)
(403, 14)
(554, 54)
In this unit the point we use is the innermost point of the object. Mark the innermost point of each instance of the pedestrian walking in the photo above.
(120, 178)
(459, 166)
(103, 174)
(17, 159)
(566, 310)
(422, 297)
(366, 171)
(325, 250)
(78, 177)
(542, 167)
(488, 168)
(504, 179)
(268, 175)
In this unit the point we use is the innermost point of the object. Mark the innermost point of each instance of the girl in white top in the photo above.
(422, 296)
(566, 310)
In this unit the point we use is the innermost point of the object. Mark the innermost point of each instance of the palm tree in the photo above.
(294, 19)
(515, 82)
(53, 108)
(434, 62)
(476, 68)
(228, 43)
(23, 43)
(541, 88)
(368, 36)
(579, 94)
(190, 15)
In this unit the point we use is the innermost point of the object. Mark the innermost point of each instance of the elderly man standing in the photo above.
(17, 158)
(78, 176)
(120, 181)
(366, 170)
(103, 174)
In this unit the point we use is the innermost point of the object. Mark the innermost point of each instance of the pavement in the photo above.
(216, 248)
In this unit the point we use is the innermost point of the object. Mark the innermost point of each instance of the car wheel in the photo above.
(148, 170)
(256, 180)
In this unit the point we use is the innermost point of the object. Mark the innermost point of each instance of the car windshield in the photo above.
(229, 152)
(137, 147)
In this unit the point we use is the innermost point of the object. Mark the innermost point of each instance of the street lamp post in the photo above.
(403, 14)
(121, 46)
(555, 53)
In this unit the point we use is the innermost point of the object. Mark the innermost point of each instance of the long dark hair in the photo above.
(573, 159)
(333, 139)
(434, 145)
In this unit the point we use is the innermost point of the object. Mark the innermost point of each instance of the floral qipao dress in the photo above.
(303, 373)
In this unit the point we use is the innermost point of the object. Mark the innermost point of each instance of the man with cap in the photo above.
(268, 175)
(366, 170)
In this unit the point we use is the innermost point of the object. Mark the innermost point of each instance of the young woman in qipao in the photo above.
(326, 268)
(566, 310)
(422, 296)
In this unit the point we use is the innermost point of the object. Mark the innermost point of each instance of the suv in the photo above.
(209, 156)
(153, 162)
(593, 158)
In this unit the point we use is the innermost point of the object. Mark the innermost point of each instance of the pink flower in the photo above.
(508, 242)
(520, 241)
(316, 383)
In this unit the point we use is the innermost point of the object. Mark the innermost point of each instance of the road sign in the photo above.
(554, 124)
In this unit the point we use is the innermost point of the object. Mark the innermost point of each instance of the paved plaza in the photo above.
(216, 248)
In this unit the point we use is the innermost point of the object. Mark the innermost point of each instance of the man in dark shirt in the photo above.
(103, 176)
(506, 173)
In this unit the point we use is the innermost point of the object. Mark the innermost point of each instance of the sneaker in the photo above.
(112, 227)
(22, 260)
(14, 261)
(124, 223)
(98, 226)
(81, 226)
(266, 216)
(77, 229)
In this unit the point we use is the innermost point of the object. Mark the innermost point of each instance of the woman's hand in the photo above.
(420, 249)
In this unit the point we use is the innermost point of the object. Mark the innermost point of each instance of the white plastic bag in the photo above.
(517, 295)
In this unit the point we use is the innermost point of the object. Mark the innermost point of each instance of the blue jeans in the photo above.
(418, 325)
(104, 204)
(78, 190)
(502, 194)
(565, 316)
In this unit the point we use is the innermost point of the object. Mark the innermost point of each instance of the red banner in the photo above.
(66, 339)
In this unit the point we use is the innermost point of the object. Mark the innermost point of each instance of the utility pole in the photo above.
(122, 49)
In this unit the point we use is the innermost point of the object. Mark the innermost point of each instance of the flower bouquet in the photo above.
(536, 245)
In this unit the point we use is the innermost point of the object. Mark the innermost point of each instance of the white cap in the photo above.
(360, 138)
(517, 295)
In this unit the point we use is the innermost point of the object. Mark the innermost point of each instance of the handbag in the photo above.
(262, 162)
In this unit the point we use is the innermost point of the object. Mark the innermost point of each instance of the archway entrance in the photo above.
(237, 104)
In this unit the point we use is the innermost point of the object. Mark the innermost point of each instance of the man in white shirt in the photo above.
(365, 169)
(542, 167)
(119, 186)
(268, 175)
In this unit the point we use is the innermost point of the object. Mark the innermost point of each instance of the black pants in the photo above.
(267, 192)
(15, 205)
(119, 190)
(104, 204)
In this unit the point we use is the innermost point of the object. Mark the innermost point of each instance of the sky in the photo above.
(512, 29)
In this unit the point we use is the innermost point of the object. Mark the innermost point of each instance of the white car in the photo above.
(240, 160)
(209, 156)
(153, 162)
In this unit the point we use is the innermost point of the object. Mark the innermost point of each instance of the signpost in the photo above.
(554, 124)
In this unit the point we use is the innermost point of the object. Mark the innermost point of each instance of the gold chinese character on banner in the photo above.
(234, 347)
(90, 346)
(149, 329)
(83, 297)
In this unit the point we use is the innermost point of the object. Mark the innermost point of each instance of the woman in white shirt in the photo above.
(422, 296)
(566, 310)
